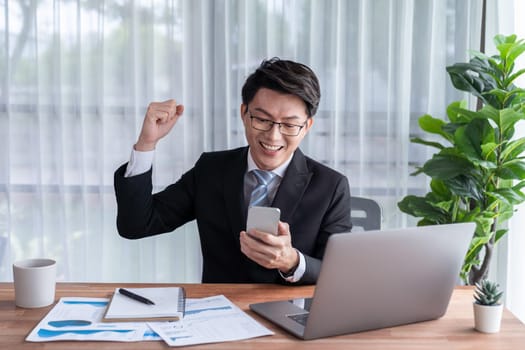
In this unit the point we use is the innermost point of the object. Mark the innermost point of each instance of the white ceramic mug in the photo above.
(34, 281)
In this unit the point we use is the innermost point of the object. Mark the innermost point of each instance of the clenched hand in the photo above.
(158, 121)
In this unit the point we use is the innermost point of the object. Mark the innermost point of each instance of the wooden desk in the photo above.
(453, 331)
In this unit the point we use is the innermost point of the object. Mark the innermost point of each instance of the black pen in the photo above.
(135, 296)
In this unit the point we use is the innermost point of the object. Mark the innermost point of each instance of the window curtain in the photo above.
(510, 258)
(77, 76)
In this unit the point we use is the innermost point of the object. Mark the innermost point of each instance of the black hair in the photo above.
(287, 77)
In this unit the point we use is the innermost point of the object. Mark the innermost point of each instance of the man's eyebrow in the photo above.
(265, 112)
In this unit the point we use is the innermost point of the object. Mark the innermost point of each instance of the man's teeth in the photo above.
(270, 147)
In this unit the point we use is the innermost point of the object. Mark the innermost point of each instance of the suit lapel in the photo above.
(292, 187)
(234, 192)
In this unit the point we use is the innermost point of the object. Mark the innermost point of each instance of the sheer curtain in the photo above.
(76, 77)
(513, 252)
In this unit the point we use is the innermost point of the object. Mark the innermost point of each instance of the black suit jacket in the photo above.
(314, 200)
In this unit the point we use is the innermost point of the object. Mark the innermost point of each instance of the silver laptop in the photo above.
(377, 279)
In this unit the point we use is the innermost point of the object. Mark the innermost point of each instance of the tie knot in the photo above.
(263, 177)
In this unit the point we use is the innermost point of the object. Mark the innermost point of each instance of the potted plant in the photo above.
(478, 171)
(487, 307)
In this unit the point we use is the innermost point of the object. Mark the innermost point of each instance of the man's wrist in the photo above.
(290, 272)
(144, 147)
(297, 272)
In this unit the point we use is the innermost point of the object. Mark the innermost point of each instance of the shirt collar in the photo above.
(280, 170)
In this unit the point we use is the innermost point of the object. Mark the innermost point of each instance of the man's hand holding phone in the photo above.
(267, 240)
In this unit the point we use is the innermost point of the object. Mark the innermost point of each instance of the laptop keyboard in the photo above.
(299, 318)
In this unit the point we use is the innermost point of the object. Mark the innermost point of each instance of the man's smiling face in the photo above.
(270, 149)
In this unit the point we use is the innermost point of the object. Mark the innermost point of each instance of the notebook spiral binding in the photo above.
(182, 300)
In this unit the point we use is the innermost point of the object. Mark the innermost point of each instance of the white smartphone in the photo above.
(263, 219)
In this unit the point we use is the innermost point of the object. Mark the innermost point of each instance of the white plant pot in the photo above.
(487, 319)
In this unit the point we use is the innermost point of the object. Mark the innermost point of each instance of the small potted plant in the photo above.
(488, 308)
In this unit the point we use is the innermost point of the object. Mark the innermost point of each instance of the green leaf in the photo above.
(504, 49)
(489, 112)
(469, 83)
(480, 75)
(500, 94)
(519, 185)
(484, 222)
(433, 125)
(512, 170)
(440, 190)
(427, 222)
(513, 149)
(472, 215)
(488, 151)
(505, 215)
(427, 143)
(514, 76)
(453, 111)
(461, 115)
(442, 166)
(508, 118)
(469, 139)
(500, 39)
(509, 195)
(465, 186)
(451, 128)
(500, 234)
(475, 247)
(513, 52)
(419, 207)
(445, 206)
(480, 55)
(417, 172)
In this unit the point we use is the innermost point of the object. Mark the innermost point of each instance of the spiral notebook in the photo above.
(169, 305)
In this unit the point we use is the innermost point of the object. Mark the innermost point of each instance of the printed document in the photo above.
(81, 319)
(209, 320)
(206, 320)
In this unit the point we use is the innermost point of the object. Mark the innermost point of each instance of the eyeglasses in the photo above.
(267, 125)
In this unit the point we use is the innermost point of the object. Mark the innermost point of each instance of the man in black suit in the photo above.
(279, 101)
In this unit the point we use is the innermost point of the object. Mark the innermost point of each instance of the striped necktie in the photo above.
(259, 195)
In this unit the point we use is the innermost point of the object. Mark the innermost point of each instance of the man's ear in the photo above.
(243, 109)
(309, 123)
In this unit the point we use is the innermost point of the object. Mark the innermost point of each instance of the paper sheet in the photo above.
(209, 320)
(80, 319)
